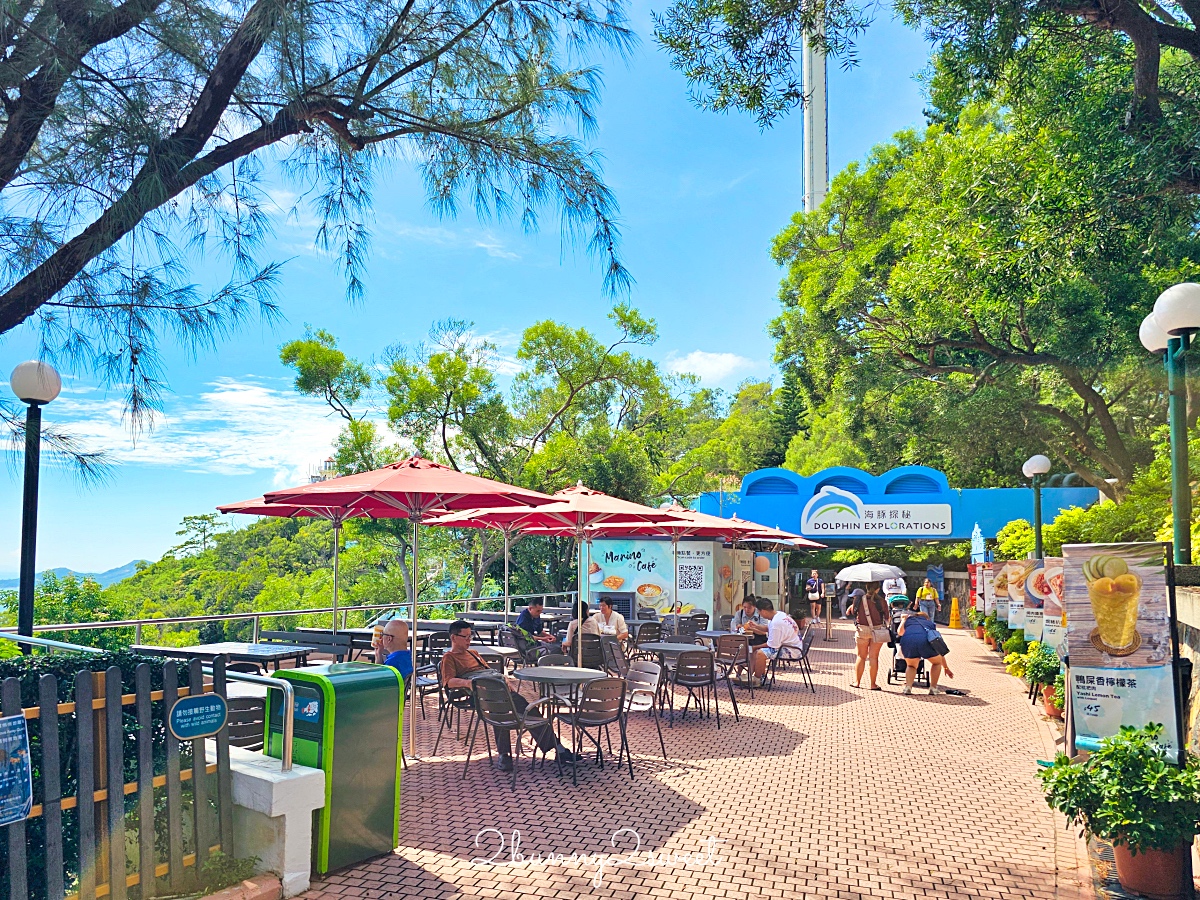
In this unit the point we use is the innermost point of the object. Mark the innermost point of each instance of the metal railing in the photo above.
(278, 684)
(257, 616)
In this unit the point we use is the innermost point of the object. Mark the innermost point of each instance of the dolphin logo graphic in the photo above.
(832, 501)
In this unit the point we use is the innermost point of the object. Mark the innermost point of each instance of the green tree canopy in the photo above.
(138, 138)
(982, 272)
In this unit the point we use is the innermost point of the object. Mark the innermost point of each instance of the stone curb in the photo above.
(260, 887)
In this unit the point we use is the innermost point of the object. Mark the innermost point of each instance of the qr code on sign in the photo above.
(691, 578)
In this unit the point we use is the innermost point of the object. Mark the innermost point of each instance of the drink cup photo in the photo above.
(1114, 593)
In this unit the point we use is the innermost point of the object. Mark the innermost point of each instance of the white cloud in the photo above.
(709, 367)
(236, 426)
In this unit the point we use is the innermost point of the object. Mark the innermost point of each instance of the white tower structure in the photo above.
(816, 127)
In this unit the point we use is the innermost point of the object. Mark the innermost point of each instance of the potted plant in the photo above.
(989, 628)
(976, 618)
(1054, 697)
(1043, 666)
(1129, 794)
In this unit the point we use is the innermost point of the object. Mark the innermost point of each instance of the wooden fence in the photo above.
(105, 866)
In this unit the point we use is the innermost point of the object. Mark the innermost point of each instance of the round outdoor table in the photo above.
(711, 634)
(549, 677)
(666, 647)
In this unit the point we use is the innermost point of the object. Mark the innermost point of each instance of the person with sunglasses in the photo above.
(393, 649)
(460, 664)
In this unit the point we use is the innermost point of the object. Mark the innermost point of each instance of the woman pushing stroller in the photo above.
(918, 637)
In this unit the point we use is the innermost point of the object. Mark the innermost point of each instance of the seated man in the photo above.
(393, 649)
(783, 636)
(747, 620)
(530, 622)
(460, 663)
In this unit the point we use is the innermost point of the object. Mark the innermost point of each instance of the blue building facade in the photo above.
(844, 506)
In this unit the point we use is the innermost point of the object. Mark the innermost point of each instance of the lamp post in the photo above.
(1168, 330)
(35, 384)
(1034, 469)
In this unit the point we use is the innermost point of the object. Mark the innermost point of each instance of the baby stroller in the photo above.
(898, 672)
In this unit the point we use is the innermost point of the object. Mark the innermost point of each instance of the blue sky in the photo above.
(701, 196)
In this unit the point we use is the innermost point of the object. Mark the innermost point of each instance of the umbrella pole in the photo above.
(507, 602)
(337, 527)
(675, 579)
(412, 642)
(579, 601)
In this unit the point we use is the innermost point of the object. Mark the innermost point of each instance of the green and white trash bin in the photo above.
(347, 722)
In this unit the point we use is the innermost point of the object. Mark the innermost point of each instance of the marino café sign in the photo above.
(844, 505)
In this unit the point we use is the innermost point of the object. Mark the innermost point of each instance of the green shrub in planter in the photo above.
(1128, 793)
(1043, 664)
(1060, 691)
(1015, 643)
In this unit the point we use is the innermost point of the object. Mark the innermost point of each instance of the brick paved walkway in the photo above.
(844, 794)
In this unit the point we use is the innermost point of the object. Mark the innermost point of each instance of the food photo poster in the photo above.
(1119, 639)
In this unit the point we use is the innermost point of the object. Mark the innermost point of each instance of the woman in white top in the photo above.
(590, 624)
(610, 621)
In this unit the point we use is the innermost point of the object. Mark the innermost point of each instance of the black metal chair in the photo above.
(556, 659)
(695, 671)
(452, 702)
(701, 620)
(435, 647)
(601, 703)
(246, 722)
(733, 656)
(615, 662)
(726, 622)
(647, 633)
(529, 651)
(494, 708)
(428, 682)
(788, 655)
(641, 694)
(687, 626)
(593, 656)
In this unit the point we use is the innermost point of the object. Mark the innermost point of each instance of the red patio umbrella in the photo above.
(413, 488)
(335, 514)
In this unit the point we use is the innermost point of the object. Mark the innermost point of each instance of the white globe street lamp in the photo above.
(1152, 336)
(35, 384)
(1034, 469)
(1177, 309)
(1168, 330)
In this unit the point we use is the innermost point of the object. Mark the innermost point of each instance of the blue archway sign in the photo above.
(198, 717)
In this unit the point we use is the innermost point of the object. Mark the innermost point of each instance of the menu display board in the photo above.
(1119, 639)
(1018, 569)
(1050, 587)
(645, 569)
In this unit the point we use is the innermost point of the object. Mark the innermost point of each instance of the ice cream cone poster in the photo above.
(1119, 637)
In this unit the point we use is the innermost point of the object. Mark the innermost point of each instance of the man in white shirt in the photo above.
(783, 636)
